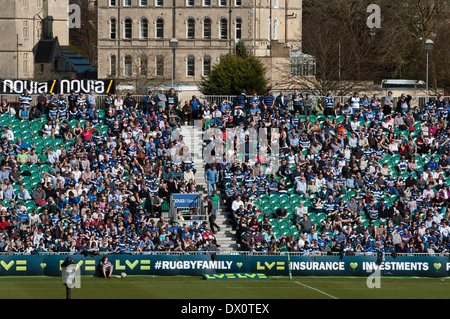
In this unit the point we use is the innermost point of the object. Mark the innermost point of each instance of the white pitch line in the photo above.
(316, 290)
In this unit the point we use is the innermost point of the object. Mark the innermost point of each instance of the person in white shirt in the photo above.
(354, 102)
(301, 186)
(393, 147)
(437, 217)
(76, 173)
(217, 114)
(237, 203)
(355, 124)
(444, 229)
(353, 141)
(363, 141)
(23, 193)
(116, 169)
(52, 156)
(301, 210)
(38, 234)
(8, 133)
(189, 175)
(428, 191)
(320, 181)
(118, 103)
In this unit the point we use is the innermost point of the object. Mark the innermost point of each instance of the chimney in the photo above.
(48, 27)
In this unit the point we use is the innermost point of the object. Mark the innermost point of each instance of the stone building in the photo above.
(35, 42)
(134, 37)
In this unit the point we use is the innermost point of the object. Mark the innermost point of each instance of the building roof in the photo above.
(48, 49)
(77, 62)
(44, 50)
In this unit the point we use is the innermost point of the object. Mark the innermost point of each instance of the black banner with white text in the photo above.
(101, 87)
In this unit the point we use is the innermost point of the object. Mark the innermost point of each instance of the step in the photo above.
(226, 237)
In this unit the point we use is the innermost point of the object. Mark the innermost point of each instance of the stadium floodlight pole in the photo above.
(428, 47)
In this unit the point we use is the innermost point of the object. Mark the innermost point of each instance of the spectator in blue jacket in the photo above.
(211, 177)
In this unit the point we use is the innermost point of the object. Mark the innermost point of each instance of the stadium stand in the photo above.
(368, 177)
(349, 177)
(82, 176)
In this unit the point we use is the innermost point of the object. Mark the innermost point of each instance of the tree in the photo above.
(335, 34)
(241, 50)
(235, 73)
(84, 39)
(144, 69)
(440, 60)
(408, 23)
(350, 56)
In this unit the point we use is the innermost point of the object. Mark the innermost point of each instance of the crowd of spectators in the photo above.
(367, 175)
(105, 185)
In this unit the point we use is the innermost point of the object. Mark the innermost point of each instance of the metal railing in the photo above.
(419, 101)
(235, 253)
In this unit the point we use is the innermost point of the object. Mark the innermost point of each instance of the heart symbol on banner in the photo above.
(437, 266)
(353, 265)
(239, 264)
(43, 265)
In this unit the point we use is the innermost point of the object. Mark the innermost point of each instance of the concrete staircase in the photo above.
(227, 236)
(193, 138)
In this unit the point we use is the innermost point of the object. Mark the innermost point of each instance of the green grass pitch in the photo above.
(179, 287)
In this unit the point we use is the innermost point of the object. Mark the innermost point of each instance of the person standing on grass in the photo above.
(106, 267)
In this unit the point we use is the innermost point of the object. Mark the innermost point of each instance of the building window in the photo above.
(144, 28)
(39, 29)
(55, 65)
(144, 65)
(127, 3)
(276, 3)
(222, 3)
(160, 29)
(143, 3)
(206, 65)
(159, 3)
(206, 3)
(113, 28)
(113, 65)
(238, 3)
(128, 29)
(190, 3)
(112, 3)
(128, 63)
(25, 63)
(25, 30)
(207, 28)
(159, 65)
(238, 29)
(190, 66)
(275, 29)
(223, 29)
(190, 28)
(302, 64)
